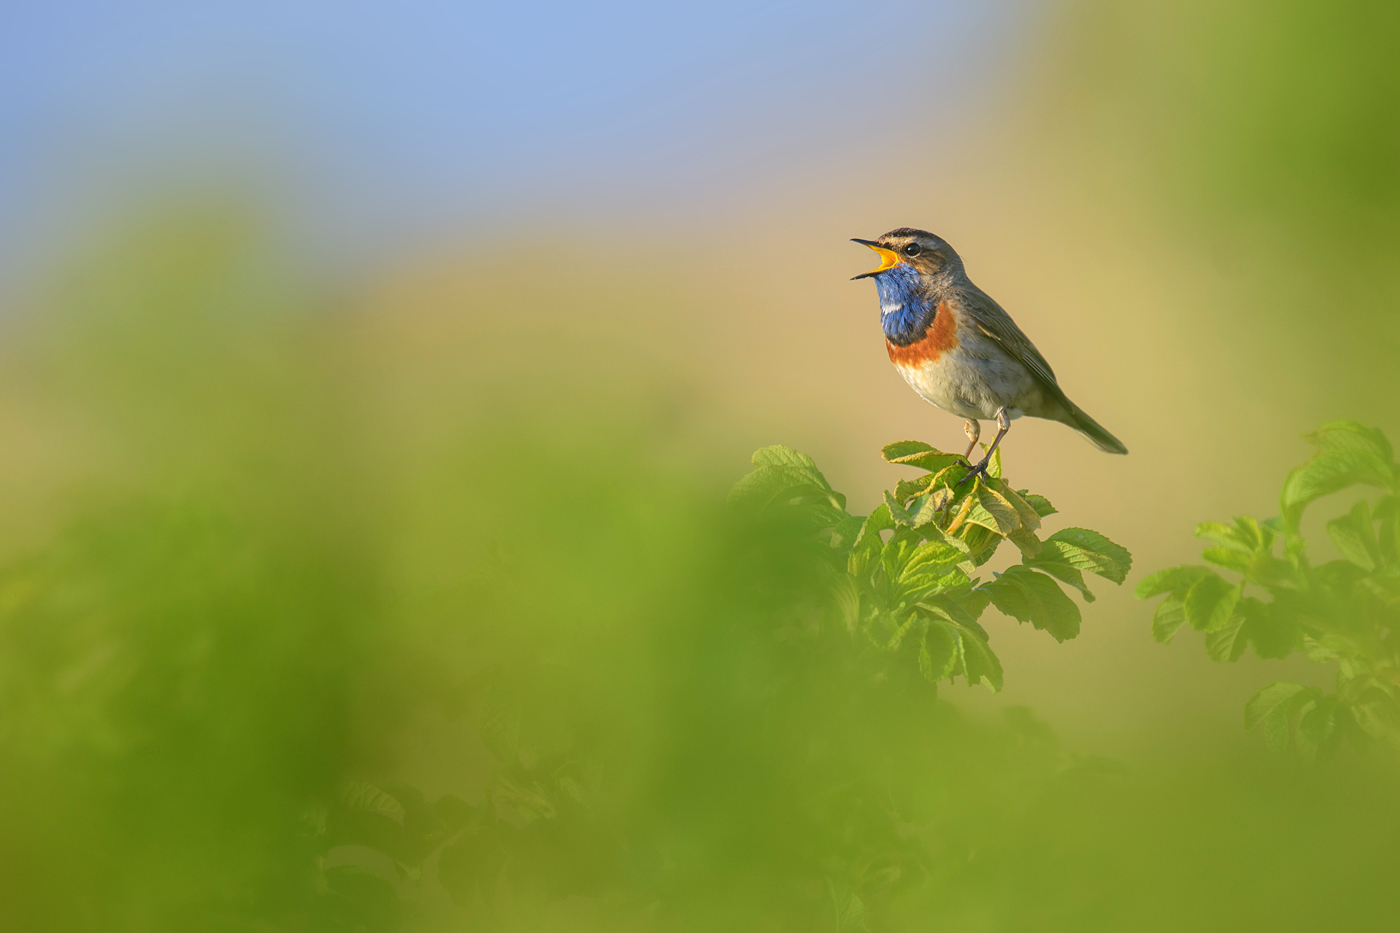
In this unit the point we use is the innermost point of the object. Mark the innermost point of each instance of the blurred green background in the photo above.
(372, 381)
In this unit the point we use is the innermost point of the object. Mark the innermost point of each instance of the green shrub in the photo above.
(1344, 612)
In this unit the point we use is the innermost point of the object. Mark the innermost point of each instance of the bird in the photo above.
(959, 349)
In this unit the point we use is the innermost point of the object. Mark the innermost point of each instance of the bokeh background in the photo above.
(366, 364)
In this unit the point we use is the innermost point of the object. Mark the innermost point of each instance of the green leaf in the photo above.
(1171, 580)
(1030, 596)
(930, 509)
(1229, 558)
(1041, 504)
(980, 663)
(1170, 616)
(938, 653)
(992, 511)
(931, 557)
(918, 454)
(1029, 517)
(780, 456)
(897, 512)
(783, 475)
(1377, 713)
(1088, 550)
(1327, 472)
(1351, 435)
(846, 595)
(844, 533)
(975, 602)
(1028, 544)
(1387, 512)
(1317, 728)
(772, 484)
(1047, 561)
(907, 489)
(878, 521)
(1271, 629)
(1210, 602)
(850, 909)
(1355, 538)
(1228, 642)
(1225, 535)
(360, 797)
(1385, 586)
(1274, 708)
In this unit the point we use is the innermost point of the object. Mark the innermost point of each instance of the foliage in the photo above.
(316, 642)
(849, 622)
(904, 575)
(1344, 612)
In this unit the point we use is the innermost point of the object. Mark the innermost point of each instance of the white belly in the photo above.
(974, 383)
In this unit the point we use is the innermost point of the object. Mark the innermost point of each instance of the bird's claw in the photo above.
(979, 470)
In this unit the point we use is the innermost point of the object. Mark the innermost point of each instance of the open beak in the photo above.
(888, 258)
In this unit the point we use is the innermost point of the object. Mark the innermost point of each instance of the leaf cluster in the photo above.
(905, 577)
(1344, 612)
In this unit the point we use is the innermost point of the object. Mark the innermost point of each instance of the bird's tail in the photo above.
(1094, 431)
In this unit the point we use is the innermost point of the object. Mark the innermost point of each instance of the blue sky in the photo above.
(413, 113)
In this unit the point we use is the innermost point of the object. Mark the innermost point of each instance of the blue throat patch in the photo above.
(906, 311)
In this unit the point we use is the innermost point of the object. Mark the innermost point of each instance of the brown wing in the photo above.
(997, 324)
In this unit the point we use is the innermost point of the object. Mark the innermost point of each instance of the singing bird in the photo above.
(959, 349)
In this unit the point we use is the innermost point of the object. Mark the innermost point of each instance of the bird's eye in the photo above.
(913, 249)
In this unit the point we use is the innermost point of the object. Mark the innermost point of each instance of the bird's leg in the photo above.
(1004, 425)
(973, 429)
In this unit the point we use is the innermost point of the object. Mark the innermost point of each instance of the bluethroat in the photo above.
(959, 349)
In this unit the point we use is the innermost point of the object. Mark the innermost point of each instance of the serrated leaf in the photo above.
(1273, 707)
(960, 516)
(1062, 572)
(956, 612)
(1041, 504)
(931, 557)
(930, 508)
(918, 454)
(1169, 617)
(1271, 628)
(1351, 435)
(361, 797)
(778, 455)
(1228, 642)
(1387, 514)
(1227, 536)
(906, 489)
(1091, 551)
(1355, 538)
(770, 484)
(850, 909)
(1317, 728)
(846, 595)
(1171, 580)
(992, 511)
(938, 654)
(1030, 596)
(844, 533)
(1229, 558)
(1028, 544)
(898, 513)
(1209, 603)
(1377, 713)
(1028, 516)
(1385, 586)
(878, 521)
(980, 664)
(1329, 471)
